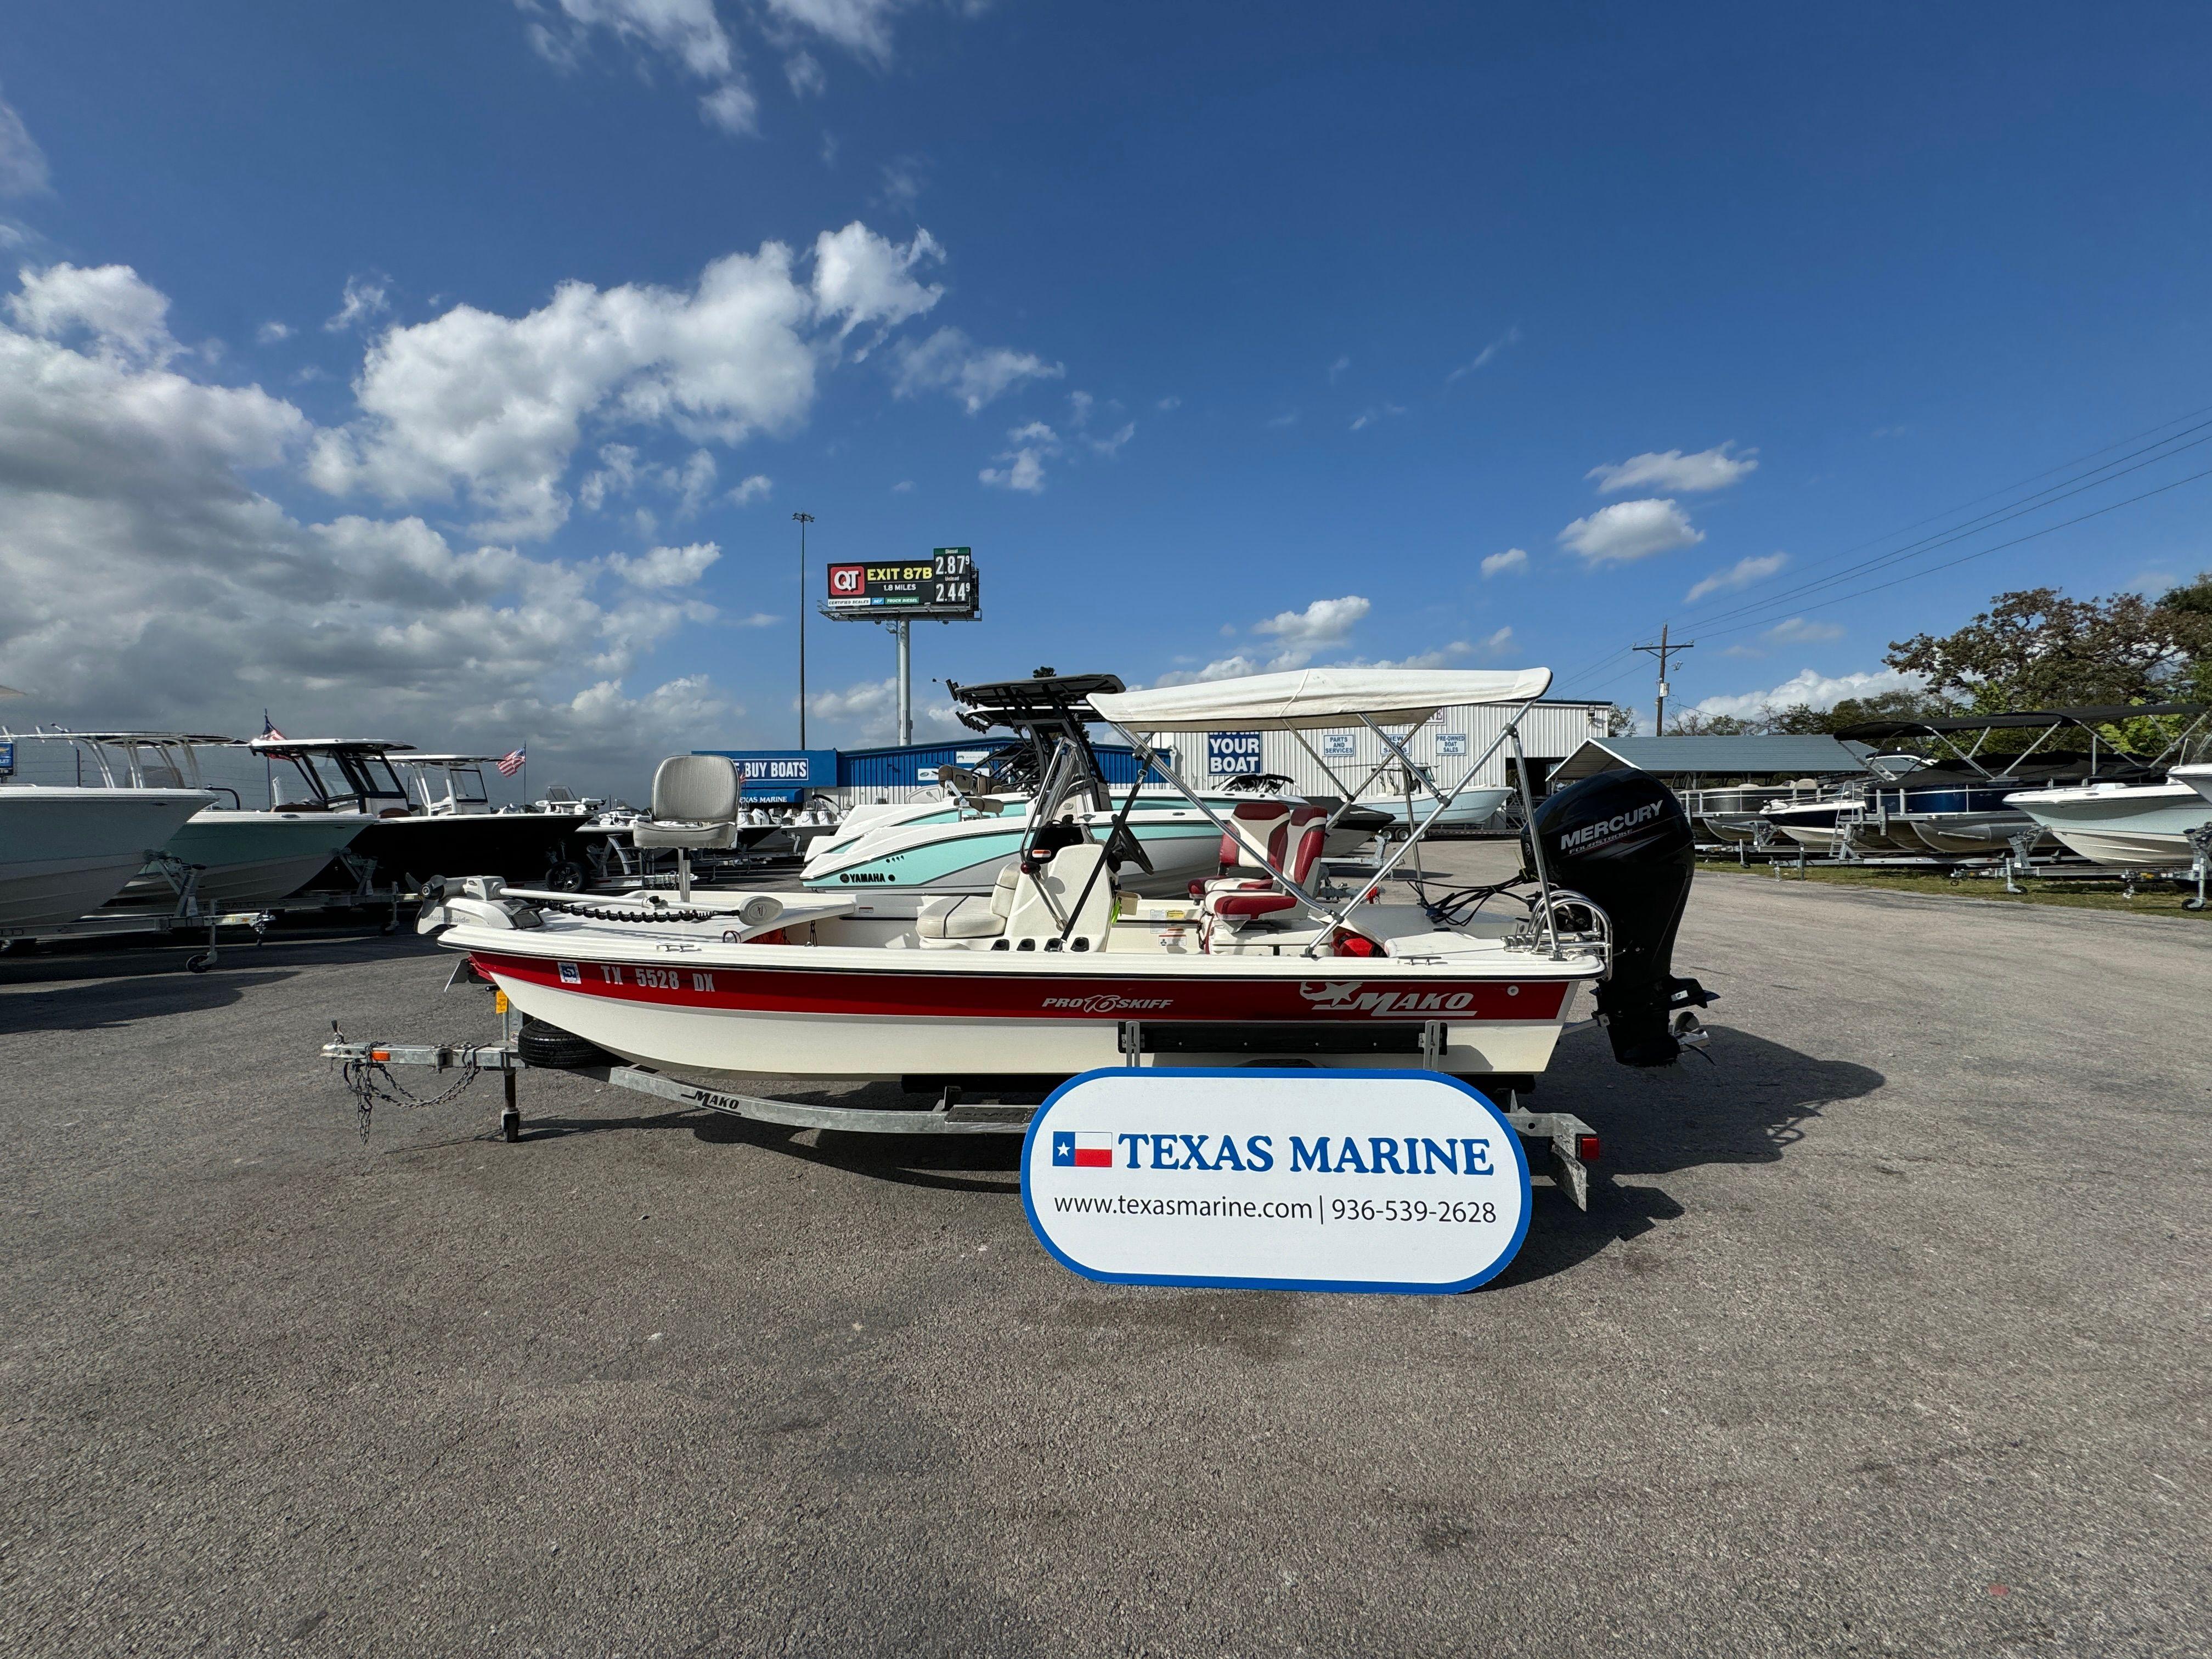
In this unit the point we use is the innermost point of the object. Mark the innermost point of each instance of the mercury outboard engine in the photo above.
(1622, 841)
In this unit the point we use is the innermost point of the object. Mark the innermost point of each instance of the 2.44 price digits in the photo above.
(1393, 1209)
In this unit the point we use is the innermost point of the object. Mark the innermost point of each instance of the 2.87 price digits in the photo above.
(1391, 1209)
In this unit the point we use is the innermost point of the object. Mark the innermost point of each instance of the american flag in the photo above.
(269, 728)
(511, 763)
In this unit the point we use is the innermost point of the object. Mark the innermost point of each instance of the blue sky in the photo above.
(455, 369)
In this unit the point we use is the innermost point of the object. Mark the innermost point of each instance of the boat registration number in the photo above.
(658, 979)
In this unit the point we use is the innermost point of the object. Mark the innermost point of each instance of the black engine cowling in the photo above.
(1622, 841)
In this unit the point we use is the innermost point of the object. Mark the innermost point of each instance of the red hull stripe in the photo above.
(1021, 996)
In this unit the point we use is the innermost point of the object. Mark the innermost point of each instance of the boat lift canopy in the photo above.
(2029, 721)
(1317, 699)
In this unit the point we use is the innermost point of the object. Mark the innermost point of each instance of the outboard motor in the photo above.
(1622, 841)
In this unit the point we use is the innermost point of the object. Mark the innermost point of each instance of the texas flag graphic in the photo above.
(1072, 1150)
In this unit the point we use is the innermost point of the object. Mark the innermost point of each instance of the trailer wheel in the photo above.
(200, 961)
(566, 876)
(2192, 902)
(554, 1049)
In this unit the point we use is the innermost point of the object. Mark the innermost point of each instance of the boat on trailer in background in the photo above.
(1048, 772)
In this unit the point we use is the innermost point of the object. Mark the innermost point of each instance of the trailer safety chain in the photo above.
(369, 1081)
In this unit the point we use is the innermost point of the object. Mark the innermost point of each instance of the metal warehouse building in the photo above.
(1549, 732)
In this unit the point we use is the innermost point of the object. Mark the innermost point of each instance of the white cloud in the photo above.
(948, 360)
(868, 712)
(1112, 442)
(1815, 691)
(23, 170)
(803, 71)
(1493, 643)
(666, 567)
(861, 27)
(494, 406)
(1630, 529)
(1167, 403)
(1486, 355)
(126, 319)
(1513, 558)
(1237, 668)
(1708, 469)
(365, 299)
(271, 332)
(1336, 369)
(1795, 630)
(1288, 417)
(866, 278)
(1024, 463)
(1743, 573)
(732, 107)
(1323, 623)
(687, 31)
(124, 505)
(749, 490)
(904, 487)
(902, 180)
(1368, 417)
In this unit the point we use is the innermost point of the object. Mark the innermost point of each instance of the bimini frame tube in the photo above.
(1512, 732)
(1149, 756)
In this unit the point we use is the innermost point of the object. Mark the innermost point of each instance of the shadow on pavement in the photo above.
(1749, 1106)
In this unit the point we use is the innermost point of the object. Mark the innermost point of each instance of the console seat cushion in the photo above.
(1243, 904)
(969, 915)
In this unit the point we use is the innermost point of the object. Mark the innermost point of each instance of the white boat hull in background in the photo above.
(2138, 827)
(65, 852)
(247, 860)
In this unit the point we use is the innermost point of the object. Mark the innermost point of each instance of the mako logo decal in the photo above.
(1351, 996)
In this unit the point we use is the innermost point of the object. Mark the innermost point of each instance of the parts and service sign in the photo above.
(1312, 1180)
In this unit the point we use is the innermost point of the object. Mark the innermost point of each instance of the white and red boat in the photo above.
(1056, 970)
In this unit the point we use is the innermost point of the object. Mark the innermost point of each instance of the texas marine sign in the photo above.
(1318, 1180)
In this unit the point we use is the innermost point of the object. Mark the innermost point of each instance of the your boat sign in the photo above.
(1406, 1182)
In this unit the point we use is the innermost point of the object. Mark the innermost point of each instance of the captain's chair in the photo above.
(696, 803)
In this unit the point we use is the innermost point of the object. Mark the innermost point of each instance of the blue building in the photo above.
(898, 773)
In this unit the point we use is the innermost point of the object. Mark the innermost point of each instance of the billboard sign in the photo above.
(944, 587)
(1231, 754)
(1409, 1182)
(767, 771)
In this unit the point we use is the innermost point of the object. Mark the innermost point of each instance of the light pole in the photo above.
(804, 520)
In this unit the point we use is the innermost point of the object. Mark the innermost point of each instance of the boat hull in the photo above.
(966, 857)
(764, 1017)
(2136, 828)
(65, 852)
(247, 860)
(521, 847)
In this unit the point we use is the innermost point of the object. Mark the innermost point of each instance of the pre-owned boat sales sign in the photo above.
(1315, 1180)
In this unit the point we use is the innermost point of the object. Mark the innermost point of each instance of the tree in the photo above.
(2036, 649)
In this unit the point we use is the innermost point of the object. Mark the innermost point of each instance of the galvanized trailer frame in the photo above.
(1570, 1144)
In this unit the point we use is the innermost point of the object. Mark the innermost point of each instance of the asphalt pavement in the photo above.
(1886, 1333)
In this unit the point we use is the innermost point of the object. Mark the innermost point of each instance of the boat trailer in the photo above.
(1570, 1145)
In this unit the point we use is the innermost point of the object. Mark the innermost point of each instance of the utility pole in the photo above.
(804, 520)
(1662, 651)
(904, 628)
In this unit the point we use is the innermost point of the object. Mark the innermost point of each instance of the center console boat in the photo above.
(1062, 965)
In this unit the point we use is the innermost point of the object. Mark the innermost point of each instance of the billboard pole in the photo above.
(904, 628)
(804, 519)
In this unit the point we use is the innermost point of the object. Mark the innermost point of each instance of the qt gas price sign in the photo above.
(943, 586)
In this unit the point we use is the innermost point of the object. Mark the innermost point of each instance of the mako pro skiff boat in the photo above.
(1058, 968)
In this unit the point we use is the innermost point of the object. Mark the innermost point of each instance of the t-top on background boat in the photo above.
(1049, 771)
(1058, 969)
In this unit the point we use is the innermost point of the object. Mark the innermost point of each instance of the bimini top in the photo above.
(1316, 699)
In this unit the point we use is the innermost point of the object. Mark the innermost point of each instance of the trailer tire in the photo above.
(551, 1047)
(566, 876)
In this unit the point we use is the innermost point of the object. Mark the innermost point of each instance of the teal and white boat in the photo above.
(1047, 774)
